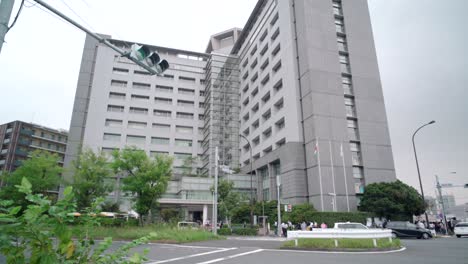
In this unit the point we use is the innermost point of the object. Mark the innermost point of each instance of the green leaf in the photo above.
(68, 191)
(14, 210)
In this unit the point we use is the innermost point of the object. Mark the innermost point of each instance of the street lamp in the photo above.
(251, 183)
(417, 166)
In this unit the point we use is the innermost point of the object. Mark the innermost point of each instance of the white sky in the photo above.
(421, 49)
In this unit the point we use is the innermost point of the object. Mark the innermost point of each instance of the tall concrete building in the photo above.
(300, 82)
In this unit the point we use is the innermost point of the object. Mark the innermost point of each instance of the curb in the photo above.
(344, 251)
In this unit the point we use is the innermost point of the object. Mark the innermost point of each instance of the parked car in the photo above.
(407, 229)
(349, 225)
(461, 229)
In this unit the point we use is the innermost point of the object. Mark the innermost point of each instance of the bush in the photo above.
(245, 231)
(224, 232)
(329, 218)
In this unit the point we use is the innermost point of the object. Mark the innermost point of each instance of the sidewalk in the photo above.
(258, 238)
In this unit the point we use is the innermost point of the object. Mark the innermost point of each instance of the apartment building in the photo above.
(18, 139)
(300, 82)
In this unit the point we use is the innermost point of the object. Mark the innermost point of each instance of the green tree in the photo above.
(41, 169)
(228, 199)
(300, 213)
(393, 200)
(189, 167)
(146, 178)
(91, 171)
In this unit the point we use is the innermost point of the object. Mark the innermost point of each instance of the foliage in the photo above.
(171, 215)
(301, 213)
(91, 171)
(343, 243)
(329, 218)
(42, 170)
(225, 231)
(241, 214)
(146, 179)
(42, 234)
(228, 199)
(245, 231)
(110, 206)
(392, 200)
(189, 167)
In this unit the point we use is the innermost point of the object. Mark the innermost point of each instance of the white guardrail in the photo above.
(337, 233)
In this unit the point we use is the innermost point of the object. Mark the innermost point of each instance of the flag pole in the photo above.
(344, 174)
(333, 176)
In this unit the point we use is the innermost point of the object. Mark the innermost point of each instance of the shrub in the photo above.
(224, 232)
(245, 231)
(329, 218)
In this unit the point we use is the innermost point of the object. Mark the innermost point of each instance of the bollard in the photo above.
(390, 239)
(295, 242)
(336, 243)
(375, 242)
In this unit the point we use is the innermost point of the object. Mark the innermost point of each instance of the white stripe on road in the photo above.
(183, 246)
(191, 256)
(230, 257)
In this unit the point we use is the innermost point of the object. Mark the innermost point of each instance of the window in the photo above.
(246, 88)
(246, 61)
(202, 81)
(202, 93)
(342, 45)
(266, 133)
(266, 115)
(353, 146)
(353, 130)
(280, 124)
(161, 127)
(117, 96)
(274, 19)
(168, 76)
(188, 79)
(254, 78)
(115, 108)
(358, 172)
(162, 113)
(138, 110)
(111, 137)
(136, 139)
(254, 92)
(266, 98)
(113, 123)
(255, 108)
(184, 129)
(246, 74)
(118, 83)
(275, 34)
(263, 36)
(350, 107)
(267, 150)
(264, 64)
(136, 97)
(183, 143)
(246, 132)
(159, 141)
(201, 117)
(337, 9)
(186, 91)
(279, 104)
(184, 115)
(136, 125)
(277, 66)
(136, 72)
(164, 89)
(160, 100)
(201, 105)
(120, 71)
(255, 124)
(138, 85)
(182, 156)
(246, 117)
(256, 141)
(254, 49)
(339, 26)
(278, 85)
(266, 79)
(185, 103)
(254, 63)
(264, 50)
(276, 50)
(157, 153)
(280, 142)
(246, 101)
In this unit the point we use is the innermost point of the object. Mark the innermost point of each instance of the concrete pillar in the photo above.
(205, 214)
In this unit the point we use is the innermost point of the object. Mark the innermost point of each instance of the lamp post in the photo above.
(417, 167)
(251, 181)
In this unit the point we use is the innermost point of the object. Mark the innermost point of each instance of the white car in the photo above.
(349, 225)
(461, 229)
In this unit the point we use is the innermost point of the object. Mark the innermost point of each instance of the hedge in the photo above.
(329, 218)
(224, 231)
(245, 231)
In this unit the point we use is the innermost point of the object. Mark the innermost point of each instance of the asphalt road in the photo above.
(437, 251)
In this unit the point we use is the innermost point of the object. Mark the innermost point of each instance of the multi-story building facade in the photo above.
(18, 139)
(300, 82)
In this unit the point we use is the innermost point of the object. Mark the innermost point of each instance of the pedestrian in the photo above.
(284, 227)
(311, 226)
(303, 226)
(323, 225)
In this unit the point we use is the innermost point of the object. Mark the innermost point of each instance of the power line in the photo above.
(16, 17)
(84, 21)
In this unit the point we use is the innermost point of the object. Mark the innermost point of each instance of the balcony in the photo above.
(20, 152)
(24, 142)
(26, 132)
(2, 162)
(9, 130)
(4, 151)
(6, 140)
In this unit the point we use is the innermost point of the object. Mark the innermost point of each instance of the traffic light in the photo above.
(466, 185)
(143, 54)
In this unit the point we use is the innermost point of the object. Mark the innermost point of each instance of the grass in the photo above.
(343, 243)
(165, 234)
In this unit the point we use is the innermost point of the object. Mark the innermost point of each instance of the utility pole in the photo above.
(278, 204)
(215, 199)
(6, 7)
(439, 189)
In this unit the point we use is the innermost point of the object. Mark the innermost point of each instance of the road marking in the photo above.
(191, 256)
(336, 252)
(183, 246)
(232, 256)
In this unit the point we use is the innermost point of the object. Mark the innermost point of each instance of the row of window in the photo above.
(138, 139)
(157, 100)
(158, 88)
(156, 112)
(159, 127)
(123, 71)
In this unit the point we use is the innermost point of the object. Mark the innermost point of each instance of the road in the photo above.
(433, 251)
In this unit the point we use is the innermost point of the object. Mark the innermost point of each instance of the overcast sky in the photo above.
(421, 48)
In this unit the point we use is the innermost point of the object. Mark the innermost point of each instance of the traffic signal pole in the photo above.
(6, 7)
(94, 35)
(439, 189)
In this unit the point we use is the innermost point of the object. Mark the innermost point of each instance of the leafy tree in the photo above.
(189, 167)
(146, 178)
(91, 171)
(171, 215)
(300, 213)
(42, 170)
(228, 199)
(43, 234)
(393, 200)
